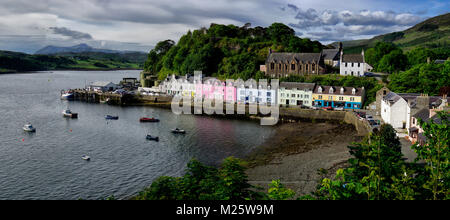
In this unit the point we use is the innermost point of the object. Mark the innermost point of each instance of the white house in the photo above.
(101, 86)
(353, 64)
(251, 93)
(295, 94)
(394, 110)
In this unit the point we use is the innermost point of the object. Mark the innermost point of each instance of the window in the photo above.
(293, 95)
(306, 96)
(269, 94)
(341, 98)
(359, 64)
(300, 67)
(346, 64)
(280, 66)
(292, 66)
(320, 97)
(352, 99)
(282, 94)
(306, 67)
(352, 64)
(272, 66)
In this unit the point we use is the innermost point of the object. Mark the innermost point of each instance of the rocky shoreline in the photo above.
(298, 151)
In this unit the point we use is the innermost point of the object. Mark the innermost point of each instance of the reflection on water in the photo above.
(48, 164)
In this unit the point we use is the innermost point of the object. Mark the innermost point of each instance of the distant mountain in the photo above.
(431, 33)
(81, 48)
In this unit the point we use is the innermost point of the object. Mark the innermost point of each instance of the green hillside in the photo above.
(11, 62)
(432, 33)
(225, 51)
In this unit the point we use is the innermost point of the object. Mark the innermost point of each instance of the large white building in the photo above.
(353, 64)
(295, 94)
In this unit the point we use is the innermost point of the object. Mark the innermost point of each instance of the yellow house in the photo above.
(337, 96)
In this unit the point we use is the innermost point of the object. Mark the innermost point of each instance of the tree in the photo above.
(278, 191)
(436, 154)
(393, 62)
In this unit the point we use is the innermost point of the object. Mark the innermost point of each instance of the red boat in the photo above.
(149, 120)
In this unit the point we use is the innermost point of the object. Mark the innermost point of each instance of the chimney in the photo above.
(428, 60)
(340, 46)
(423, 101)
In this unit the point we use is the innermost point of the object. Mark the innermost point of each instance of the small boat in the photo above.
(151, 138)
(85, 157)
(67, 95)
(29, 128)
(149, 120)
(69, 114)
(178, 131)
(110, 117)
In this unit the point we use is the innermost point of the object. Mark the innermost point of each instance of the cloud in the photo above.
(311, 18)
(71, 33)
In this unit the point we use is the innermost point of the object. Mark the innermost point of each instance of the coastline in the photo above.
(70, 69)
(297, 152)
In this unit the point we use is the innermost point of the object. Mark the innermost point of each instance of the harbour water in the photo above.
(48, 164)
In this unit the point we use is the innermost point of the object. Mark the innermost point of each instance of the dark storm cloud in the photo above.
(71, 33)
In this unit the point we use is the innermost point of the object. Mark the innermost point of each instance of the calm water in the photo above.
(48, 164)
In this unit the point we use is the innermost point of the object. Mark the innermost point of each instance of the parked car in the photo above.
(315, 107)
(369, 117)
(339, 109)
(328, 108)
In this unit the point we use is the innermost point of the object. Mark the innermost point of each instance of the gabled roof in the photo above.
(330, 54)
(337, 90)
(298, 86)
(288, 57)
(353, 58)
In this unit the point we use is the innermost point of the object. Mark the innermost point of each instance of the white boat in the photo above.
(67, 95)
(85, 157)
(29, 128)
(69, 114)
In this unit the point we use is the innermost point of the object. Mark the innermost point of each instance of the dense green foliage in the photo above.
(377, 171)
(20, 62)
(422, 78)
(201, 182)
(225, 51)
(371, 85)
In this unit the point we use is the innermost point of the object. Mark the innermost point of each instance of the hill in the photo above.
(225, 51)
(431, 33)
(80, 48)
(11, 62)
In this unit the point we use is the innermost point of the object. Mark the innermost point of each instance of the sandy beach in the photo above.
(298, 151)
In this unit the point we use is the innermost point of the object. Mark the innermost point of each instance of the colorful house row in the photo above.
(288, 93)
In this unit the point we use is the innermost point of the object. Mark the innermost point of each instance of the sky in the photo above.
(138, 25)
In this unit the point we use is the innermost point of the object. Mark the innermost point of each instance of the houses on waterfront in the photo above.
(287, 93)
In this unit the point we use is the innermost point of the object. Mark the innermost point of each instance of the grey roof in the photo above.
(353, 58)
(288, 57)
(330, 54)
(423, 114)
(392, 97)
(101, 84)
(298, 86)
(440, 61)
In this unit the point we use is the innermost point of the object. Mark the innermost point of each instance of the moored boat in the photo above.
(29, 128)
(85, 157)
(149, 120)
(110, 117)
(151, 138)
(67, 95)
(69, 114)
(178, 131)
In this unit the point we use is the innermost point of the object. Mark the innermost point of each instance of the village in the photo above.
(402, 111)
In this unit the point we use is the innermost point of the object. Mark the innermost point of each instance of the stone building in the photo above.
(286, 64)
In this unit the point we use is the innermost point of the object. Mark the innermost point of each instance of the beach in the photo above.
(296, 153)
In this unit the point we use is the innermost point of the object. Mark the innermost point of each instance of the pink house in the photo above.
(211, 88)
